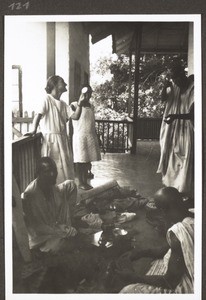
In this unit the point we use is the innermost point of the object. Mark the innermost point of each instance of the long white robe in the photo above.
(177, 142)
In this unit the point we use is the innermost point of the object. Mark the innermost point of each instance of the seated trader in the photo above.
(47, 209)
(175, 272)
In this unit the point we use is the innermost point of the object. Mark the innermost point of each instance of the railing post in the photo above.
(138, 38)
(129, 107)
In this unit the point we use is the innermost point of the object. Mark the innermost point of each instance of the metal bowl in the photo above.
(119, 231)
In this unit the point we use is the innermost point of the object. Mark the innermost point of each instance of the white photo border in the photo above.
(196, 19)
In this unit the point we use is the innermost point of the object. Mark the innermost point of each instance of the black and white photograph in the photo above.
(103, 156)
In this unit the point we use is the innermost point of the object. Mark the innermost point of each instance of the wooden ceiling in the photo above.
(157, 37)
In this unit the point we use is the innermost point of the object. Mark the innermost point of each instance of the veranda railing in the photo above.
(115, 135)
(26, 151)
(21, 125)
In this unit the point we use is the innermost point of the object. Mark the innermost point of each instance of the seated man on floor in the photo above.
(47, 208)
(47, 211)
(175, 272)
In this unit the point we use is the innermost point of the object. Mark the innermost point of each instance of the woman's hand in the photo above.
(32, 133)
(169, 119)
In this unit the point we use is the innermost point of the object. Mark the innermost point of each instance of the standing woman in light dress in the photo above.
(52, 115)
(85, 141)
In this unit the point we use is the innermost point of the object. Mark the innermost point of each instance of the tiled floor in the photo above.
(137, 171)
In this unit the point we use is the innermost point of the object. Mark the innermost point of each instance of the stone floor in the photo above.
(137, 171)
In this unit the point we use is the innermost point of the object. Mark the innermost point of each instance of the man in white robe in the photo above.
(177, 132)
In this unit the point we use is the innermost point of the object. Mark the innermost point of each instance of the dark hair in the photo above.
(169, 198)
(42, 161)
(88, 86)
(51, 83)
(177, 68)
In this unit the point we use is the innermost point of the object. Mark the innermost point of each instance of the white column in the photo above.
(62, 54)
(190, 50)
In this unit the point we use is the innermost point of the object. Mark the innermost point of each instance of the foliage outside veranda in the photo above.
(111, 98)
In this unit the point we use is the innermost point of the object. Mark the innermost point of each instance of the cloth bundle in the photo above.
(129, 203)
(119, 199)
(93, 220)
(125, 217)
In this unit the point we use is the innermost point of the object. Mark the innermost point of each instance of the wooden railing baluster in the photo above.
(108, 143)
(103, 137)
(25, 151)
(123, 146)
(113, 145)
(114, 134)
(118, 135)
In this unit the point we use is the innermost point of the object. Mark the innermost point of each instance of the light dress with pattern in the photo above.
(85, 140)
(184, 232)
(56, 145)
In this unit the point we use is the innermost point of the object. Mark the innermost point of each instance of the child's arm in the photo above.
(78, 110)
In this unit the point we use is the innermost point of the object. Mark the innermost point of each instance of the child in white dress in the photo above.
(85, 141)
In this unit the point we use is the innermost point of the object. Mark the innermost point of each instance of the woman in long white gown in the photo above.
(177, 133)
